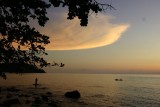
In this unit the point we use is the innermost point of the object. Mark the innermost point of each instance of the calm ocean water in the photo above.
(97, 90)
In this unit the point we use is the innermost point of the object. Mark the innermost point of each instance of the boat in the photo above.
(118, 79)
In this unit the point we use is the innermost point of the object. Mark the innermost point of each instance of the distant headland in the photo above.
(20, 68)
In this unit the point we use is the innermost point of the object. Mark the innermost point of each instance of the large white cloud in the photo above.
(69, 35)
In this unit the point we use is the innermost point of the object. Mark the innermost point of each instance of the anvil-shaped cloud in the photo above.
(69, 35)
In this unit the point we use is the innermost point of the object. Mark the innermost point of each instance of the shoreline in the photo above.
(27, 97)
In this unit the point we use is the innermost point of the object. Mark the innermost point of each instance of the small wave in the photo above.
(82, 103)
(98, 96)
(97, 86)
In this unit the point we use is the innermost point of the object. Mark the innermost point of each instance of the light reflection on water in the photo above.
(97, 90)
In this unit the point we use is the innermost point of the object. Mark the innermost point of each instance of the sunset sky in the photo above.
(125, 40)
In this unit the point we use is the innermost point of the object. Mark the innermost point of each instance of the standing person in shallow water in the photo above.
(36, 80)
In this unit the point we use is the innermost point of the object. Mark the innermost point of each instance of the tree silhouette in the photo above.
(16, 33)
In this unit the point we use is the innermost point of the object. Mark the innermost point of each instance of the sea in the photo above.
(97, 90)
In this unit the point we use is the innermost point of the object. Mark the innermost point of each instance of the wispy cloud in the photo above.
(69, 35)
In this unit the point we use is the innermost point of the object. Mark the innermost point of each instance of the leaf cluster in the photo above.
(80, 8)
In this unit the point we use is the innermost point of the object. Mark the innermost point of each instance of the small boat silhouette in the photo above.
(118, 79)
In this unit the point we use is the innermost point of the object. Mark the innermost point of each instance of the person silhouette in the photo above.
(36, 82)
